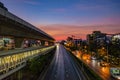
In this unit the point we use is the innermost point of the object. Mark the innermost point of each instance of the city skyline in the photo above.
(59, 40)
(62, 18)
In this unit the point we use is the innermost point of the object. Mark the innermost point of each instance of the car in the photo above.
(103, 64)
(93, 58)
(115, 73)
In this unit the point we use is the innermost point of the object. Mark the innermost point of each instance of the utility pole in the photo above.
(107, 54)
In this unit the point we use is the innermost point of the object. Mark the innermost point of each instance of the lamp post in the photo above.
(107, 54)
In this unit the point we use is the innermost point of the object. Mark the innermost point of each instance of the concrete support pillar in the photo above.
(49, 43)
(18, 42)
(42, 43)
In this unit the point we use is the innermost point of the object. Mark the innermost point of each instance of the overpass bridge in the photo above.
(19, 30)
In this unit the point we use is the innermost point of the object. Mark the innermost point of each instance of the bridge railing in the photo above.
(9, 62)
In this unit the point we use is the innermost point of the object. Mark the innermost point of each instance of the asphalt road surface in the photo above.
(62, 67)
(103, 72)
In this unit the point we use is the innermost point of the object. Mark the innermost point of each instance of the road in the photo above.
(95, 66)
(63, 67)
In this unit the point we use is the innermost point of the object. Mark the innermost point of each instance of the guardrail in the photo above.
(87, 71)
(11, 62)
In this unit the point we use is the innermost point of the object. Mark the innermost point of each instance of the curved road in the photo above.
(62, 67)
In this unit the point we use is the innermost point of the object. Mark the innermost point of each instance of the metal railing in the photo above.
(13, 61)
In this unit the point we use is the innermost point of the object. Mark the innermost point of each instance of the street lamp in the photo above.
(107, 54)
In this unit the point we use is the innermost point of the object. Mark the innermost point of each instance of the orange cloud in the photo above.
(61, 32)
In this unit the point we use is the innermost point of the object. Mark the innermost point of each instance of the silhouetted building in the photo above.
(116, 39)
(77, 41)
(97, 38)
(90, 39)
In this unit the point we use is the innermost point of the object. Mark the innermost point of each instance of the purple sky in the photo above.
(62, 18)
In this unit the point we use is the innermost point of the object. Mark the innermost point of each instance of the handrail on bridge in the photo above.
(12, 61)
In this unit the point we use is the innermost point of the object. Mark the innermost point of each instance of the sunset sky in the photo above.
(62, 18)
